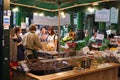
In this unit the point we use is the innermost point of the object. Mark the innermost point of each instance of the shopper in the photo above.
(52, 39)
(43, 34)
(17, 38)
(95, 33)
(86, 33)
(31, 42)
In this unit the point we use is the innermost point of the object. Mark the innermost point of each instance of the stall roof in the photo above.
(52, 5)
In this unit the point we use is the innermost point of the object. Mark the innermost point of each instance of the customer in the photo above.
(17, 38)
(52, 39)
(31, 42)
(43, 34)
(95, 33)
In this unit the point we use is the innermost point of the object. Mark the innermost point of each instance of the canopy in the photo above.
(52, 5)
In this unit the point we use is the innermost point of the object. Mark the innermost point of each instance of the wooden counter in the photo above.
(108, 72)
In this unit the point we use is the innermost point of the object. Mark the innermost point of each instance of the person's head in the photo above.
(94, 30)
(17, 30)
(51, 30)
(43, 30)
(32, 27)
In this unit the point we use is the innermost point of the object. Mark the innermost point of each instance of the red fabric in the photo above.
(12, 64)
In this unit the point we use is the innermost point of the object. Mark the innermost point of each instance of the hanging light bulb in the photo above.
(63, 14)
(90, 9)
(15, 9)
(35, 14)
(41, 14)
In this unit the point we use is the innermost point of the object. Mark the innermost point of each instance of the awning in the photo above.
(52, 5)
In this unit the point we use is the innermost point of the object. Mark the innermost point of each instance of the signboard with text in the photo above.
(102, 15)
(114, 15)
(6, 22)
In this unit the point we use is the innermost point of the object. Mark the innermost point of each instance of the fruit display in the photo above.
(112, 49)
(50, 48)
(80, 45)
(66, 39)
(69, 37)
(71, 44)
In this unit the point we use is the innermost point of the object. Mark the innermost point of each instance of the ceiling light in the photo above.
(15, 9)
(41, 14)
(35, 14)
(90, 9)
(62, 13)
(63, 16)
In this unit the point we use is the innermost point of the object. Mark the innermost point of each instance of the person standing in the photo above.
(94, 33)
(17, 38)
(43, 34)
(52, 40)
(31, 42)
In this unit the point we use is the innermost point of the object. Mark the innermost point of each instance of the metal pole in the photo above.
(5, 44)
(1, 39)
(59, 27)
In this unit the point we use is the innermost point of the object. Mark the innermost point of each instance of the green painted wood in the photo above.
(20, 17)
(80, 21)
(72, 19)
(102, 26)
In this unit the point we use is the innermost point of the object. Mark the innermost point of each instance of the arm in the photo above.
(19, 43)
(56, 42)
(38, 42)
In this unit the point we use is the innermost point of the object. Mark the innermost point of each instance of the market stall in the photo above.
(75, 60)
(70, 68)
(98, 73)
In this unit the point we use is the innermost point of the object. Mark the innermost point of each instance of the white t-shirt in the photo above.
(51, 40)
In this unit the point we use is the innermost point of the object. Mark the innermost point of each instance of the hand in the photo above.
(19, 43)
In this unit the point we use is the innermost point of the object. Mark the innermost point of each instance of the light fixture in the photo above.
(62, 14)
(35, 14)
(15, 9)
(90, 9)
(41, 14)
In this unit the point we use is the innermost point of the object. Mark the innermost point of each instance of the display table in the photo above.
(47, 54)
(107, 71)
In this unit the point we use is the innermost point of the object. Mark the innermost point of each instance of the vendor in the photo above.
(52, 39)
(31, 42)
(72, 35)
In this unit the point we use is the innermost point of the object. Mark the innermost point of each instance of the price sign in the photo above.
(6, 22)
